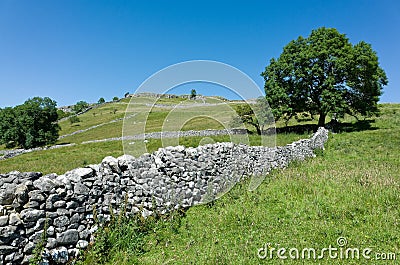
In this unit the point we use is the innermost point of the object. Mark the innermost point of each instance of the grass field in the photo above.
(95, 116)
(48, 161)
(351, 191)
(62, 159)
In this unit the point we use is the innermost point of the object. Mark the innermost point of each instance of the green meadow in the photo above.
(351, 190)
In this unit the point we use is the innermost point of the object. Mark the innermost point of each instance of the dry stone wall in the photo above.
(167, 179)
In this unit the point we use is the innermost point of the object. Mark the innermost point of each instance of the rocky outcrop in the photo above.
(70, 207)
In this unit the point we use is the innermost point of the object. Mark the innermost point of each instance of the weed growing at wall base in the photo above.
(123, 239)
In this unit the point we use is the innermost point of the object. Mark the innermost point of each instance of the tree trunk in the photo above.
(258, 129)
(321, 120)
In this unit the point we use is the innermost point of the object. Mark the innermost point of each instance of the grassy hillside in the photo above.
(105, 114)
(101, 114)
(105, 122)
(351, 190)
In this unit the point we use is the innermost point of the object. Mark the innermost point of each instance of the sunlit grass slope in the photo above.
(351, 190)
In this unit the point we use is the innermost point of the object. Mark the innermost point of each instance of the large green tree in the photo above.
(31, 124)
(9, 132)
(324, 74)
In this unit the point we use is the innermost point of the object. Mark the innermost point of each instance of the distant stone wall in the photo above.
(6, 154)
(151, 95)
(156, 95)
(167, 179)
(172, 134)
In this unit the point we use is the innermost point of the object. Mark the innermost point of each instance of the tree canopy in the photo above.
(80, 106)
(193, 94)
(258, 115)
(30, 124)
(324, 74)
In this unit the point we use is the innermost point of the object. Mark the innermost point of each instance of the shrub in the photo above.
(74, 119)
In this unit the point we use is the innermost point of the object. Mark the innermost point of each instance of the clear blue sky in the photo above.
(83, 50)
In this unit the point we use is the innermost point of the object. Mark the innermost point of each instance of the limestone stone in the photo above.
(7, 249)
(44, 184)
(7, 193)
(21, 194)
(112, 163)
(3, 220)
(79, 174)
(15, 219)
(81, 189)
(68, 237)
(59, 255)
(61, 221)
(32, 215)
(82, 244)
(36, 195)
